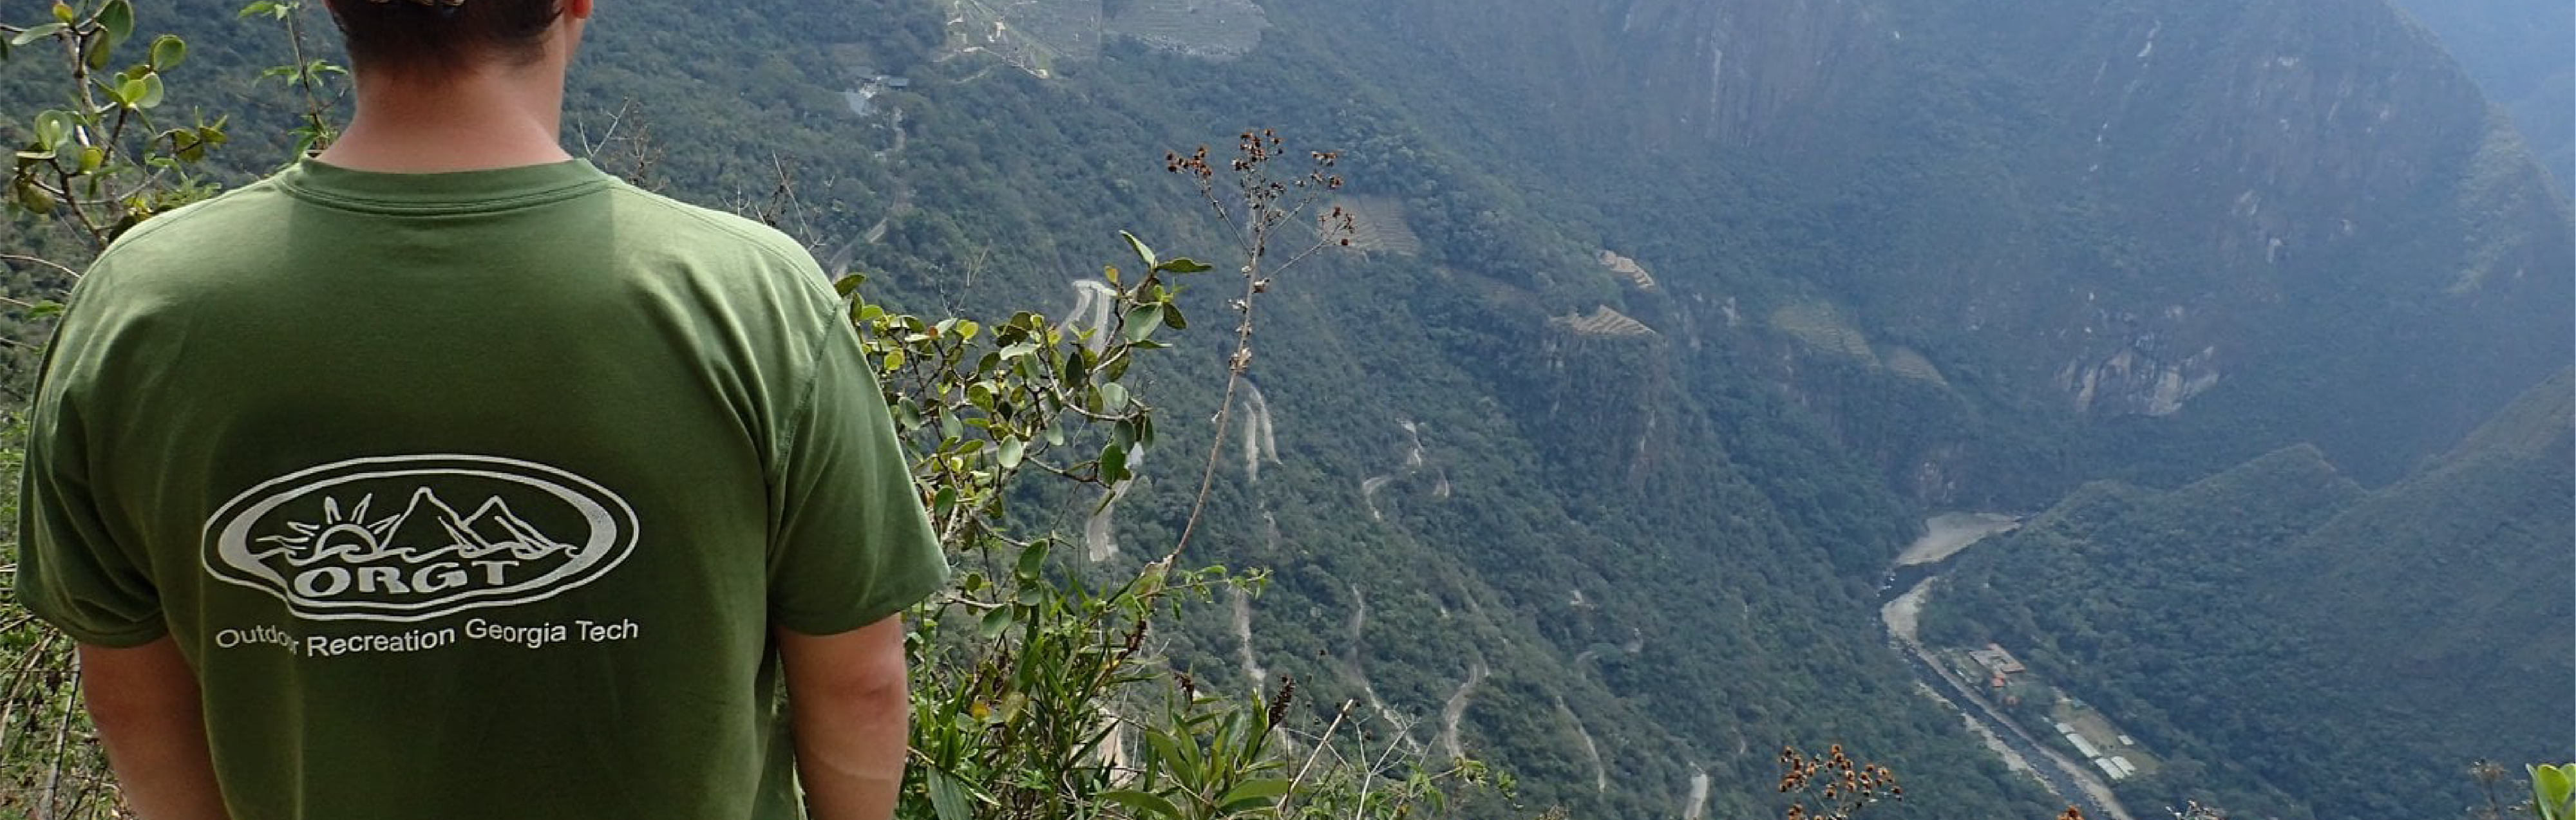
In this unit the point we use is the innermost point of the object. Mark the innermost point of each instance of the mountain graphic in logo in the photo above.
(405, 536)
(318, 541)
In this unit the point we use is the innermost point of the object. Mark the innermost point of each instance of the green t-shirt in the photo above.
(471, 494)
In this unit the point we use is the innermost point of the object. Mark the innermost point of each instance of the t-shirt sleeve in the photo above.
(851, 544)
(71, 570)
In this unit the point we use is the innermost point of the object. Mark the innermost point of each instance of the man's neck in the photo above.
(470, 122)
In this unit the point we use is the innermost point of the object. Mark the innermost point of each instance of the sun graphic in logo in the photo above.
(337, 533)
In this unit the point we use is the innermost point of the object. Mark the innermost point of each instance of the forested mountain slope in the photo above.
(2173, 235)
(2523, 53)
(1671, 315)
(2309, 649)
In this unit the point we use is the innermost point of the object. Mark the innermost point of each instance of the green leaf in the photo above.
(946, 797)
(1142, 320)
(33, 198)
(1110, 272)
(1252, 794)
(63, 12)
(1183, 264)
(34, 33)
(1179, 757)
(1142, 802)
(151, 94)
(1138, 245)
(1113, 463)
(92, 157)
(187, 144)
(1032, 559)
(2552, 789)
(1113, 397)
(167, 51)
(118, 18)
(132, 92)
(1011, 451)
(995, 623)
(99, 50)
(45, 310)
(1172, 319)
(52, 129)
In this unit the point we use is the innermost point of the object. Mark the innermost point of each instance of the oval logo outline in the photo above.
(228, 554)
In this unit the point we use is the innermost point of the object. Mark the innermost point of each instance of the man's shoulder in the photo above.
(185, 228)
(699, 228)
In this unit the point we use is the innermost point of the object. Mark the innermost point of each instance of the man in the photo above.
(444, 476)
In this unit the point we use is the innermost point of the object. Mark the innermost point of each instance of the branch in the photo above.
(45, 262)
(1321, 744)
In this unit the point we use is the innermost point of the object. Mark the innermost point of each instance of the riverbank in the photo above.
(1947, 535)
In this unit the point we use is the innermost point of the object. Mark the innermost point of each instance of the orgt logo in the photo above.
(408, 538)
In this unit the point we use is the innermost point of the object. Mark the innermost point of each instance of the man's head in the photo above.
(434, 40)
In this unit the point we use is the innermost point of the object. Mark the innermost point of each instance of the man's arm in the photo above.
(145, 703)
(851, 705)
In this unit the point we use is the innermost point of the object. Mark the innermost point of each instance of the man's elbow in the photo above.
(856, 692)
(857, 672)
(137, 690)
(118, 715)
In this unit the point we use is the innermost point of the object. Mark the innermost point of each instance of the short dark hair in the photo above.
(436, 38)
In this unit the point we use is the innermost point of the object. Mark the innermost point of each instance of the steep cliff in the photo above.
(2147, 241)
(2173, 234)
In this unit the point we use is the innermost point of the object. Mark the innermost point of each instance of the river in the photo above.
(1901, 596)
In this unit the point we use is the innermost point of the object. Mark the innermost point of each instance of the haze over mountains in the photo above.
(1673, 319)
(2520, 55)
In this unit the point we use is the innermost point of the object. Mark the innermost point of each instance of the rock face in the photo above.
(1768, 65)
(2132, 383)
(2225, 217)
(1667, 73)
(2230, 197)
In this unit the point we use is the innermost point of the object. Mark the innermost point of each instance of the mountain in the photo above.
(1669, 318)
(2170, 235)
(2523, 54)
(2313, 648)
(428, 526)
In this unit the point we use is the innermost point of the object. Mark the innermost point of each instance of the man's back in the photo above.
(469, 494)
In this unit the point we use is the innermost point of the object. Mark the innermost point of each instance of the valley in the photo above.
(1947, 535)
(1615, 445)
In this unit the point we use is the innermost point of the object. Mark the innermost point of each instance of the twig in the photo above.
(1321, 744)
(305, 78)
(45, 262)
(590, 149)
(62, 743)
(1368, 780)
(1259, 193)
